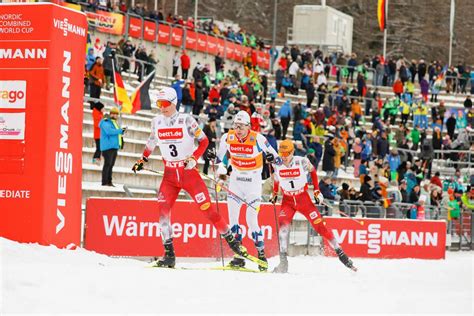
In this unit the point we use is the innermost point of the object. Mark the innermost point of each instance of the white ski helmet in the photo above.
(167, 94)
(242, 118)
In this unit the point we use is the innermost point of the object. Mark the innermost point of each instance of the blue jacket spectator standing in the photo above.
(110, 142)
(285, 117)
(90, 59)
(176, 85)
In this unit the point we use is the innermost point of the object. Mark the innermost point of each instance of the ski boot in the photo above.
(261, 256)
(235, 244)
(283, 266)
(345, 259)
(169, 259)
(237, 262)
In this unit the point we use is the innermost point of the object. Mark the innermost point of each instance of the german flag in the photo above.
(120, 94)
(381, 14)
(141, 96)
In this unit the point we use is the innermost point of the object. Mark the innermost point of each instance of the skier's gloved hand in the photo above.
(269, 157)
(190, 163)
(211, 154)
(274, 198)
(139, 164)
(319, 198)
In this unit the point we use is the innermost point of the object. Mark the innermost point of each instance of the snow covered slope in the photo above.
(36, 279)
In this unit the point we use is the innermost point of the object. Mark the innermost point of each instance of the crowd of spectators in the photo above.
(388, 141)
(210, 26)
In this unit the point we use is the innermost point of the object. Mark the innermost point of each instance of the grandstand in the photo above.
(145, 184)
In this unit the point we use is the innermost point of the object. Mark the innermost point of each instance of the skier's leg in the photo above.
(194, 185)
(167, 195)
(285, 217)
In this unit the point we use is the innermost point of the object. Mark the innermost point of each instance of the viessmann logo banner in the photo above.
(386, 238)
(12, 94)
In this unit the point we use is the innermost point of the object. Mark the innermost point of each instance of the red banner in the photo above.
(202, 42)
(389, 238)
(221, 46)
(191, 40)
(212, 45)
(107, 22)
(177, 36)
(229, 50)
(129, 227)
(238, 53)
(135, 27)
(42, 66)
(164, 34)
(149, 33)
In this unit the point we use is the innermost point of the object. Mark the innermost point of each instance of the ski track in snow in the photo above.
(37, 279)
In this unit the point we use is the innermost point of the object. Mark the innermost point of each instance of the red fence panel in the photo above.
(135, 26)
(229, 50)
(212, 45)
(164, 34)
(191, 40)
(149, 31)
(177, 36)
(221, 46)
(202, 42)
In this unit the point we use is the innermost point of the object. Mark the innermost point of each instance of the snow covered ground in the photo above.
(36, 279)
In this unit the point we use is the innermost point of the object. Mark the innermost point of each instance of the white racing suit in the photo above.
(246, 158)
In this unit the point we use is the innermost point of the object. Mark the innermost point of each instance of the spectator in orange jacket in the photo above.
(356, 111)
(398, 88)
(97, 78)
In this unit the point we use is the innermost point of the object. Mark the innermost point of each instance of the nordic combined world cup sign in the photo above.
(42, 49)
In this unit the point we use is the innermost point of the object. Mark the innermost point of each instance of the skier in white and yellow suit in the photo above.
(244, 150)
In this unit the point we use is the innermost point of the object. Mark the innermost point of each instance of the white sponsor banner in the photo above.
(12, 126)
(12, 94)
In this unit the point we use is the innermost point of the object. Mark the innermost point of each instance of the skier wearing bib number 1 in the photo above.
(291, 177)
(243, 149)
(175, 133)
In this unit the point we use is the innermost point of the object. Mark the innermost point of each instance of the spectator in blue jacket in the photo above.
(110, 142)
(90, 59)
(394, 162)
(298, 130)
(176, 85)
(325, 189)
(285, 117)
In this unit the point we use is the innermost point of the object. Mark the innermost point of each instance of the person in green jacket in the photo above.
(468, 199)
(453, 208)
(415, 137)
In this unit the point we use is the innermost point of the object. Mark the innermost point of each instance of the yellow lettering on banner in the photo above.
(205, 206)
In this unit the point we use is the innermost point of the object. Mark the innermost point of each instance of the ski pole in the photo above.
(154, 171)
(227, 190)
(270, 169)
(217, 207)
(351, 218)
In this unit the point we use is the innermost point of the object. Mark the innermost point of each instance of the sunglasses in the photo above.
(239, 126)
(285, 154)
(163, 104)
